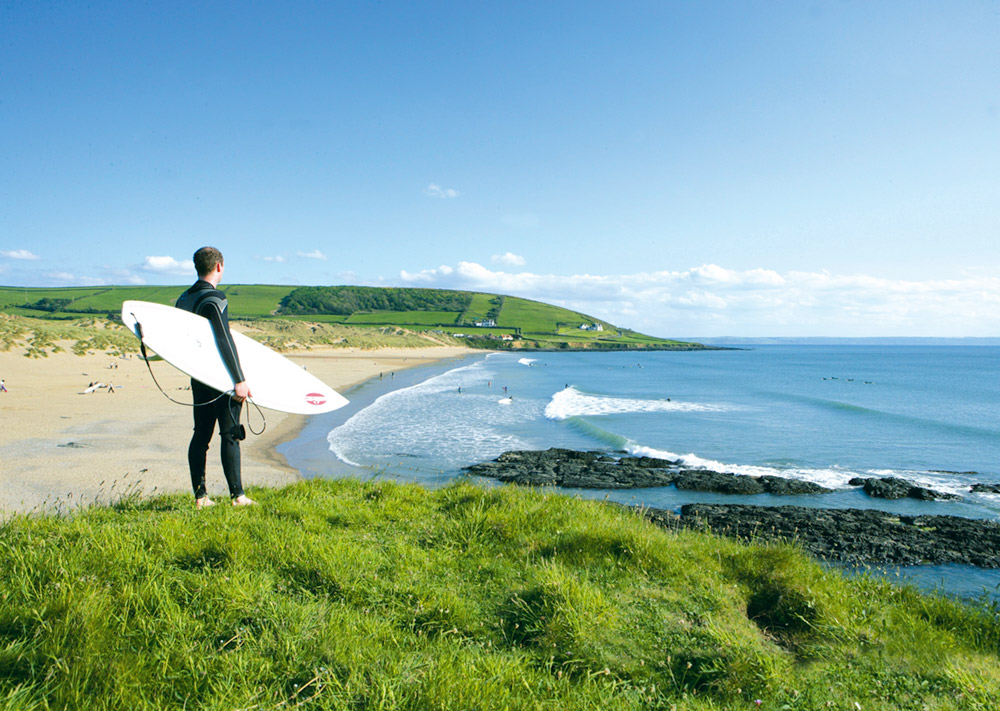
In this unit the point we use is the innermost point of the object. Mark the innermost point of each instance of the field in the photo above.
(350, 595)
(536, 317)
(405, 318)
(480, 307)
(255, 300)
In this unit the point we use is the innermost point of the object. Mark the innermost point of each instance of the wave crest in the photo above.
(573, 403)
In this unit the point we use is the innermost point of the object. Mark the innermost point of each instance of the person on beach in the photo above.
(210, 405)
(3, 386)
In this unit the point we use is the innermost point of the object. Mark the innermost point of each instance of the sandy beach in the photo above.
(61, 447)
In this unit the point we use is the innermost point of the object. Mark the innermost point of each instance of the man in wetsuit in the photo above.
(211, 406)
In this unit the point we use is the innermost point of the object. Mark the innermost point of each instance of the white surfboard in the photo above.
(185, 340)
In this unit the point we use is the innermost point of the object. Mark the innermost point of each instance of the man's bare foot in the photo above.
(243, 500)
(203, 503)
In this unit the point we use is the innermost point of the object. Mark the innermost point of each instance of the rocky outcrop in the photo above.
(894, 488)
(986, 488)
(577, 470)
(850, 535)
(602, 470)
(725, 483)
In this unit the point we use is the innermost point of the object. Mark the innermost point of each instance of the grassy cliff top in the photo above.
(348, 595)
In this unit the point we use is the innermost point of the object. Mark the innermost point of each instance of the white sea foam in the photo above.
(431, 421)
(939, 481)
(832, 478)
(527, 361)
(573, 403)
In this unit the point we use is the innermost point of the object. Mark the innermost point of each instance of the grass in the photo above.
(295, 335)
(254, 300)
(349, 595)
(479, 307)
(39, 337)
(418, 318)
(535, 317)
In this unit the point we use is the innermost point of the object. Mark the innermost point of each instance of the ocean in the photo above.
(929, 414)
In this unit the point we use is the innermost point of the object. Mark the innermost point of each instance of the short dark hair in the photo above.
(205, 260)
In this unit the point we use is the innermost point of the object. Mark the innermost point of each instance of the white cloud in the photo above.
(18, 254)
(711, 300)
(509, 259)
(168, 265)
(75, 280)
(277, 258)
(315, 254)
(435, 190)
(122, 276)
(427, 275)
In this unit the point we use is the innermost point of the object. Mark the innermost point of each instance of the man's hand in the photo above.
(241, 391)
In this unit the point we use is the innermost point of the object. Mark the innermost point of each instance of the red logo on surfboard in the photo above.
(316, 398)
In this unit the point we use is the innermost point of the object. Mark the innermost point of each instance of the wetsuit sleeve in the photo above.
(215, 309)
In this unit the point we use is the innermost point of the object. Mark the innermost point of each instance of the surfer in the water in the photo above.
(211, 406)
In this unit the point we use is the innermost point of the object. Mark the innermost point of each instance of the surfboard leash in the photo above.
(145, 357)
(262, 419)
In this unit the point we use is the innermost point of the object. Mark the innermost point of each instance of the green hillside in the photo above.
(372, 595)
(481, 320)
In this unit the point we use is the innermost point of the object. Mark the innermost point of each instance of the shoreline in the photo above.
(62, 448)
(322, 363)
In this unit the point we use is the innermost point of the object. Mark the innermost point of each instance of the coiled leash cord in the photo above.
(238, 432)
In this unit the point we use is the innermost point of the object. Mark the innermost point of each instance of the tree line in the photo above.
(347, 300)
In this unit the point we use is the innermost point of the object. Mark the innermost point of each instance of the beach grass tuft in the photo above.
(349, 595)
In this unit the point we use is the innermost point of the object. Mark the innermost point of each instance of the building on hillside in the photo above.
(485, 323)
(591, 327)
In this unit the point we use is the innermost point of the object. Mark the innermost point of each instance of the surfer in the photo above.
(210, 405)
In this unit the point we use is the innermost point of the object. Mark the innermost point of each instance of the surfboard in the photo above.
(185, 340)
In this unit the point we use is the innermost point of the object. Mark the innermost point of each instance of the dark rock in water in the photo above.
(887, 488)
(599, 470)
(705, 480)
(781, 486)
(850, 535)
(572, 469)
(648, 462)
(986, 488)
(894, 488)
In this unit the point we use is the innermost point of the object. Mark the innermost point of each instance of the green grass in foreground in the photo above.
(343, 595)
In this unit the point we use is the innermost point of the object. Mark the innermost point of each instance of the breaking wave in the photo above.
(573, 403)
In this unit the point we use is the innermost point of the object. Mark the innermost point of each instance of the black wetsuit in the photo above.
(205, 300)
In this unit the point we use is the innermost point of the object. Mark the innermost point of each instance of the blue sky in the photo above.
(683, 168)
